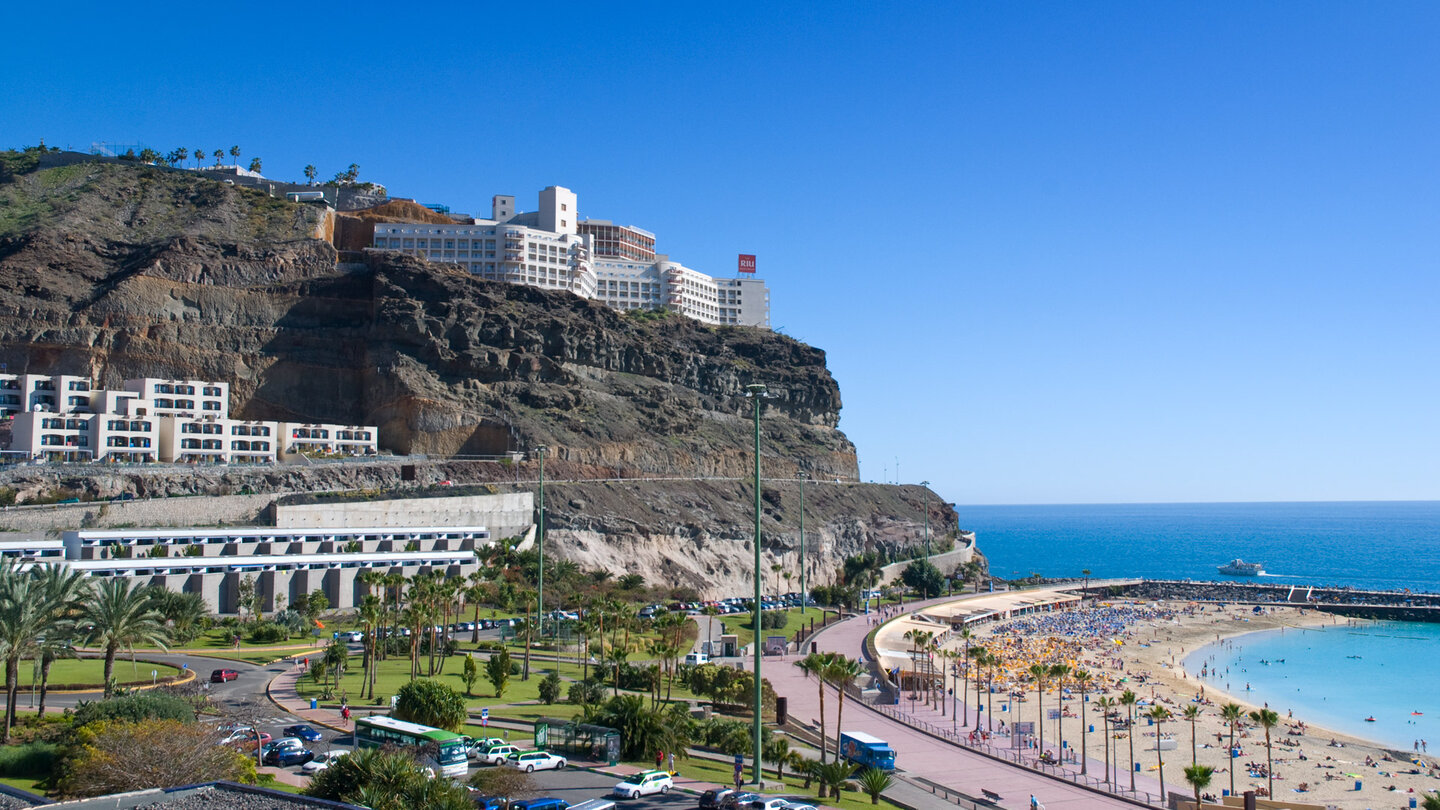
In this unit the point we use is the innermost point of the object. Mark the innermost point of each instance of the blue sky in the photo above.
(1056, 252)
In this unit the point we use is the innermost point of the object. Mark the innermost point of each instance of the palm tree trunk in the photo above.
(822, 719)
(1160, 756)
(1130, 737)
(45, 663)
(12, 687)
(1107, 747)
(475, 631)
(839, 715)
(109, 672)
(1230, 757)
(1084, 760)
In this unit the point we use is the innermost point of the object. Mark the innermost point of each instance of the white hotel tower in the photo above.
(554, 249)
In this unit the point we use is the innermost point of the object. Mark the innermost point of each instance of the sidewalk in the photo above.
(919, 754)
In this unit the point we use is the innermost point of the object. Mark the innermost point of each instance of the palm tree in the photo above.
(1059, 671)
(1085, 592)
(1430, 801)
(1192, 713)
(64, 591)
(371, 612)
(841, 671)
(918, 639)
(1267, 718)
(815, 664)
(1127, 699)
(310, 173)
(23, 616)
(1039, 672)
(120, 615)
(1199, 778)
(219, 156)
(1160, 714)
(1231, 714)
(965, 635)
(994, 660)
(199, 156)
(235, 153)
(1082, 683)
(1105, 704)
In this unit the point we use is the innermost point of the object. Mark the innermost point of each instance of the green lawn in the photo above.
(24, 783)
(88, 672)
(742, 624)
(395, 672)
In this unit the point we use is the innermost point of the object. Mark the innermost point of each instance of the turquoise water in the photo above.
(1375, 545)
(1394, 674)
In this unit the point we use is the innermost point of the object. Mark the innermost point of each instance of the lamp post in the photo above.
(925, 484)
(540, 539)
(803, 593)
(756, 392)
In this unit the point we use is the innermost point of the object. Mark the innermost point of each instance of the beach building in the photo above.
(283, 562)
(65, 418)
(553, 249)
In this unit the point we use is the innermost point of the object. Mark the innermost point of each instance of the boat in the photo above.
(1239, 568)
(1370, 719)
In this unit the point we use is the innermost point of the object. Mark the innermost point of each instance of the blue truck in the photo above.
(867, 750)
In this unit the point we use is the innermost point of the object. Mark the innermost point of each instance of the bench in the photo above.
(991, 796)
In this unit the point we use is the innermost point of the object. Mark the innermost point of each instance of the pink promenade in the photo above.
(924, 756)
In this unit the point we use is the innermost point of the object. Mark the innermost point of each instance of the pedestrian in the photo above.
(1034, 803)
(659, 759)
(345, 714)
(672, 763)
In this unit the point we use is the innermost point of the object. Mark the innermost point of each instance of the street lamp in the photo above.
(756, 392)
(925, 484)
(803, 592)
(540, 539)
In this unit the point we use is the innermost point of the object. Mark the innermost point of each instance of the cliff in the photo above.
(116, 271)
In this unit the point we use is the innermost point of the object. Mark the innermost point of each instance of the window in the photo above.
(210, 406)
(164, 403)
(185, 389)
(185, 403)
(190, 444)
(211, 391)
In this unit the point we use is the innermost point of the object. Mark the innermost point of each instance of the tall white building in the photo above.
(552, 248)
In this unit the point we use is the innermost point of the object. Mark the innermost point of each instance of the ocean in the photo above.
(1372, 545)
(1317, 673)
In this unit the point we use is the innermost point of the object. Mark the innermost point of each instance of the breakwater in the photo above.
(1351, 602)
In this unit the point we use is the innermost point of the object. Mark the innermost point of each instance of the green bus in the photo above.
(443, 750)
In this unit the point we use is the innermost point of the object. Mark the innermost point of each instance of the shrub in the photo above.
(268, 633)
(550, 688)
(7, 496)
(586, 693)
(36, 759)
(115, 757)
(134, 708)
(431, 703)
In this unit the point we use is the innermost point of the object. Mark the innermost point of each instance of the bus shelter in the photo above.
(579, 739)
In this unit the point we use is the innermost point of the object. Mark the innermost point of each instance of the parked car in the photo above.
(475, 748)
(354, 636)
(531, 761)
(644, 783)
(286, 757)
(301, 732)
(799, 806)
(488, 802)
(322, 761)
(544, 803)
(769, 803)
(710, 799)
(244, 738)
(223, 675)
(497, 754)
(737, 800)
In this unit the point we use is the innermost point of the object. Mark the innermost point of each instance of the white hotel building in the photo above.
(64, 418)
(553, 249)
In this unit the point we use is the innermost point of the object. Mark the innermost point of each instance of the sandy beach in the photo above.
(1311, 764)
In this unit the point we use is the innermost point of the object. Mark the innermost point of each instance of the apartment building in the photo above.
(551, 248)
(64, 418)
(284, 563)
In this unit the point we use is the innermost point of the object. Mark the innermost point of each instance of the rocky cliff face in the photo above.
(117, 271)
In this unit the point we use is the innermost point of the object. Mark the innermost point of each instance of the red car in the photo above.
(223, 675)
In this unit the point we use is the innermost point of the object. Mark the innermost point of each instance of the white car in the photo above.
(769, 803)
(531, 761)
(497, 754)
(323, 761)
(644, 783)
(354, 636)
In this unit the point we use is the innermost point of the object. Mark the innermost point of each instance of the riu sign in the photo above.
(747, 263)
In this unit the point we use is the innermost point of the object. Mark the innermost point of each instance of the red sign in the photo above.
(747, 263)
